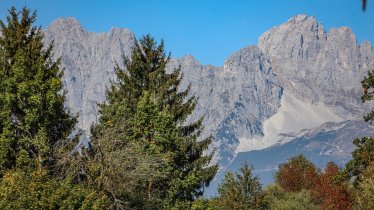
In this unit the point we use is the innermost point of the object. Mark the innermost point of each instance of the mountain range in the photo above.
(296, 92)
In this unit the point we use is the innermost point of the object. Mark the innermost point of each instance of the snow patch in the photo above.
(292, 117)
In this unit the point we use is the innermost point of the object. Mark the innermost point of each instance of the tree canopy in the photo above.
(33, 118)
(146, 107)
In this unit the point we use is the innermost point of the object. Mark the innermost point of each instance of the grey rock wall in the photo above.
(299, 57)
(88, 61)
(319, 66)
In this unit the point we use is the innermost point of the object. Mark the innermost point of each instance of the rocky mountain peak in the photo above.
(190, 60)
(88, 59)
(302, 19)
(366, 45)
(342, 35)
(244, 54)
(66, 22)
(115, 32)
(247, 99)
(318, 66)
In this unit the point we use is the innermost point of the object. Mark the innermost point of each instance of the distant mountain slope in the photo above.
(298, 77)
(329, 142)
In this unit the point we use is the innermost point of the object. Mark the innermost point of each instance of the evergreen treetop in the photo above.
(145, 105)
(241, 191)
(32, 113)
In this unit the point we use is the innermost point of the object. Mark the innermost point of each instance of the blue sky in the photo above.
(210, 30)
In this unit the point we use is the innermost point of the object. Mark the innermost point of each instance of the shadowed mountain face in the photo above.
(281, 93)
(329, 142)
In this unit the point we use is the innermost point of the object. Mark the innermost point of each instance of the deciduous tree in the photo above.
(329, 192)
(296, 174)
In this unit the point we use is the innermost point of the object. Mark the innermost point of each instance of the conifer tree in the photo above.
(34, 123)
(134, 169)
(241, 191)
(363, 155)
(165, 133)
(32, 113)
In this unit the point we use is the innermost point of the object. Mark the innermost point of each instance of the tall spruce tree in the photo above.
(32, 121)
(32, 113)
(161, 129)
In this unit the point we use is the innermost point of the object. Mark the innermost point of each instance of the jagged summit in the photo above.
(301, 18)
(88, 59)
(298, 77)
(74, 27)
(119, 32)
(249, 52)
(190, 59)
(66, 22)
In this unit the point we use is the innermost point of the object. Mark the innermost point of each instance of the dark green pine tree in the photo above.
(32, 113)
(145, 72)
(363, 155)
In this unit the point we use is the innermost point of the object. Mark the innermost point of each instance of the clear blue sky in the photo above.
(210, 30)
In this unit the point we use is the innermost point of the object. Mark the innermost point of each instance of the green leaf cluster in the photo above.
(278, 198)
(39, 190)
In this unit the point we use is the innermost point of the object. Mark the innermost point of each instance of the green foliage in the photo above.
(365, 189)
(155, 130)
(132, 161)
(296, 174)
(367, 85)
(34, 125)
(361, 167)
(362, 157)
(38, 190)
(203, 204)
(279, 199)
(32, 114)
(145, 109)
(127, 176)
(241, 191)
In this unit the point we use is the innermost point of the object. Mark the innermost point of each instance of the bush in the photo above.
(278, 198)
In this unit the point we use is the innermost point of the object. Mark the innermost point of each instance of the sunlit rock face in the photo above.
(299, 78)
(88, 61)
(235, 99)
(318, 66)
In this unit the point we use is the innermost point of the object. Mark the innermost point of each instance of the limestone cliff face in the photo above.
(244, 101)
(235, 99)
(319, 66)
(88, 61)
